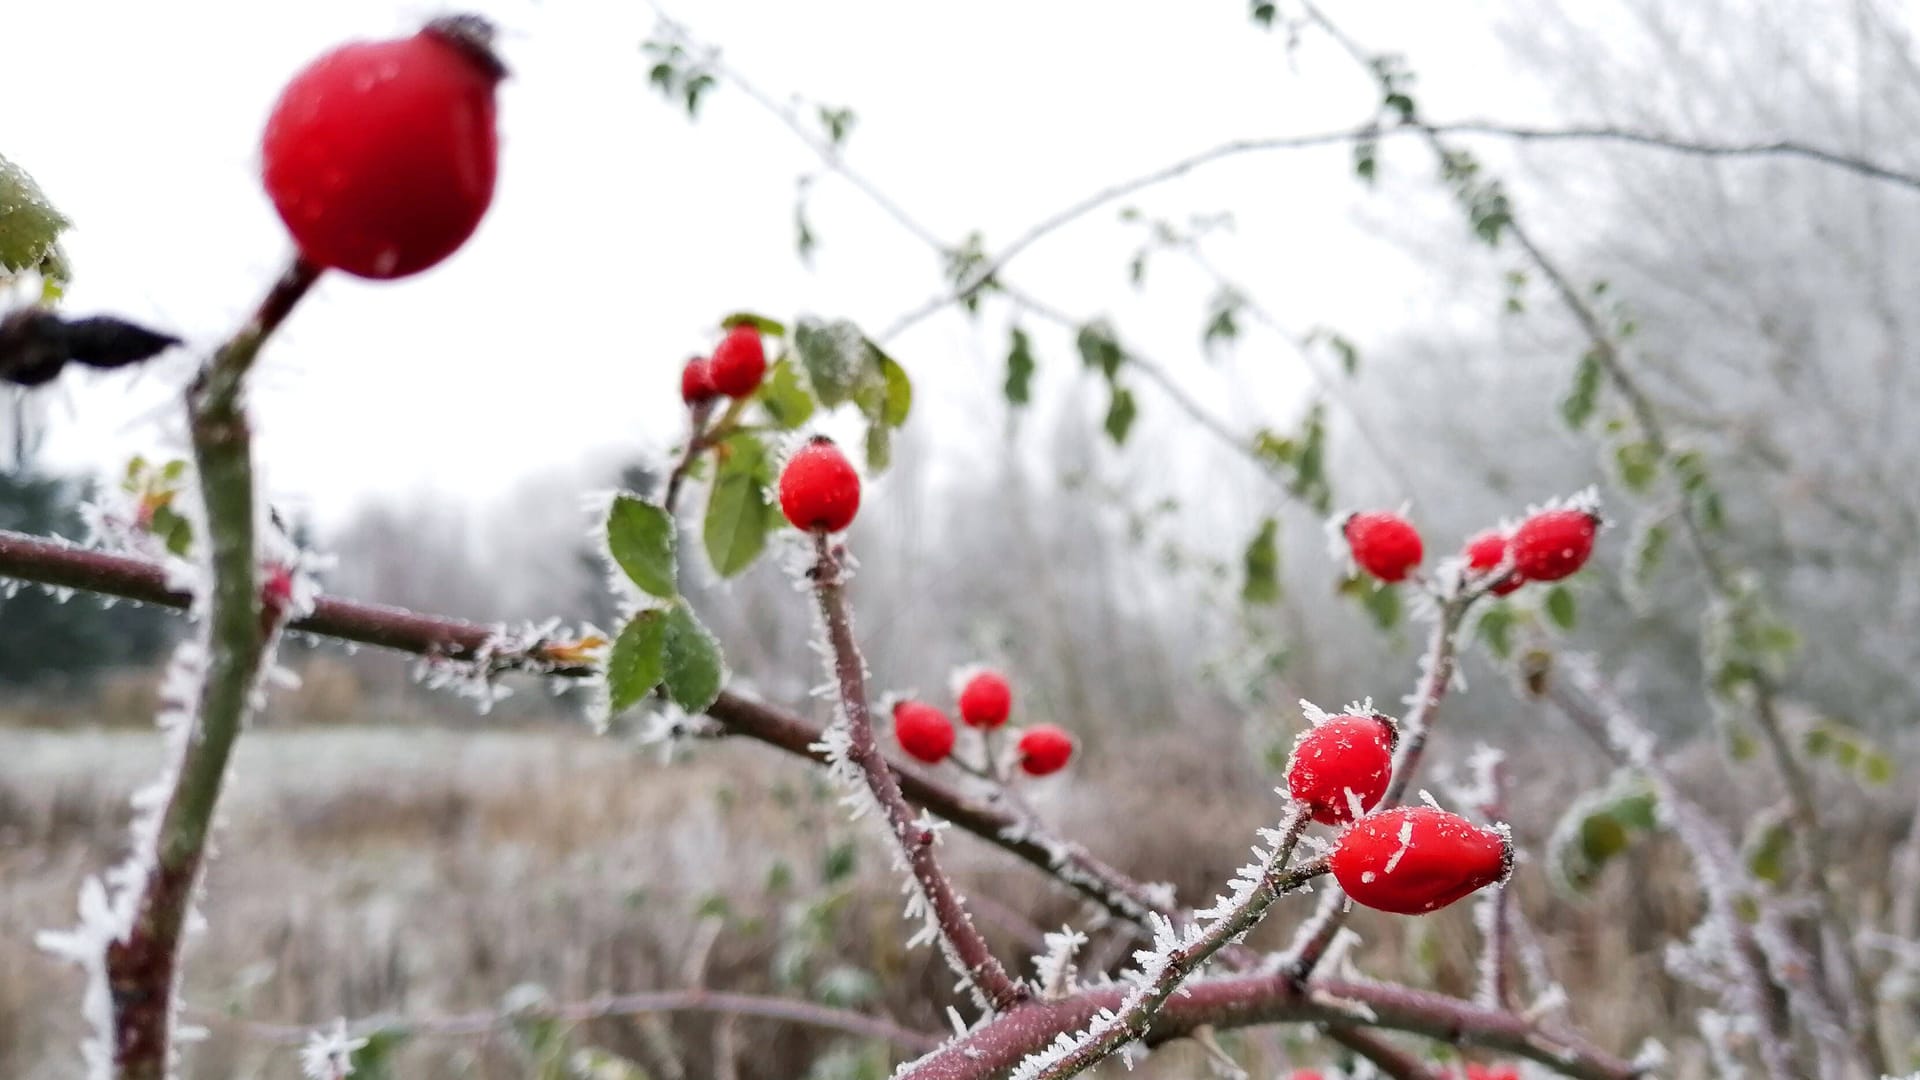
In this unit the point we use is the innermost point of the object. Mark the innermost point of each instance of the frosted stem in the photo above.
(143, 966)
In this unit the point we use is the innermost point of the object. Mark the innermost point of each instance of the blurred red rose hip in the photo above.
(380, 155)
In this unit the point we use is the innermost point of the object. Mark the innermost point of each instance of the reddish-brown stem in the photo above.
(49, 562)
(1239, 1001)
(1392, 1061)
(966, 949)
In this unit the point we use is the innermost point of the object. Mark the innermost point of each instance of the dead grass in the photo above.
(431, 871)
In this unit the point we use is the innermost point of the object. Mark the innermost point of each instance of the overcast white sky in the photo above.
(620, 231)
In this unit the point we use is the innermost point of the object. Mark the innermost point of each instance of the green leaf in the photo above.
(1099, 349)
(839, 862)
(836, 356)
(1262, 562)
(173, 529)
(1647, 552)
(846, 987)
(1263, 12)
(773, 328)
(375, 1058)
(838, 122)
(1345, 349)
(1223, 318)
(1877, 768)
(637, 660)
(1639, 464)
(640, 536)
(784, 396)
(1496, 629)
(1019, 369)
(30, 227)
(1577, 407)
(1766, 848)
(740, 513)
(1383, 603)
(1121, 412)
(879, 443)
(885, 394)
(1560, 607)
(1597, 828)
(1366, 159)
(695, 670)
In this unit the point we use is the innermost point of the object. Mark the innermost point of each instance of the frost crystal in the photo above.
(328, 1055)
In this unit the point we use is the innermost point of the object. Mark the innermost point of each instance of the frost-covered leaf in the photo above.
(638, 660)
(1768, 844)
(695, 671)
(1638, 463)
(1099, 349)
(1560, 607)
(879, 447)
(1379, 599)
(1223, 318)
(378, 1057)
(784, 396)
(772, 328)
(839, 862)
(1598, 827)
(1121, 412)
(884, 393)
(1649, 547)
(1848, 748)
(1577, 407)
(846, 987)
(836, 356)
(1496, 629)
(640, 537)
(30, 227)
(1262, 564)
(1020, 365)
(740, 511)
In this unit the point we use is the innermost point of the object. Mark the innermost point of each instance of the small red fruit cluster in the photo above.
(380, 156)
(734, 370)
(1408, 860)
(1549, 545)
(985, 702)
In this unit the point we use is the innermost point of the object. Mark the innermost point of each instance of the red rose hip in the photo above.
(986, 700)
(1554, 544)
(1485, 553)
(819, 491)
(924, 732)
(696, 382)
(739, 362)
(380, 155)
(1384, 545)
(1340, 766)
(1044, 749)
(1410, 860)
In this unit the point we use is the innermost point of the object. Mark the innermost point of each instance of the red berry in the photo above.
(739, 362)
(1552, 544)
(986, 701)
(1341, 761)
(1414, 859)
(696, 382)
(819, 491)
(1485, 553)
(380, 155)
(1044, 749)
(923, 731)
(1384, 545)
(1492, 1072)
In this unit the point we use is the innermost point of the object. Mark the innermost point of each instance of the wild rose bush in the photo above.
(380, 158)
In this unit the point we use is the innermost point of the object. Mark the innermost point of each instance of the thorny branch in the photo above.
(966, 949)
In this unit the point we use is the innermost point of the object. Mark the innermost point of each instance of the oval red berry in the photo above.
(380, 155)
(1341, 766)
(1410, 860)
(1384, 545)
(1044, 749)
(819, 491)
(1554, 544)
(924, 732)
(1485, 553)
(696, 382)
(986, 700)
(739, 362)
